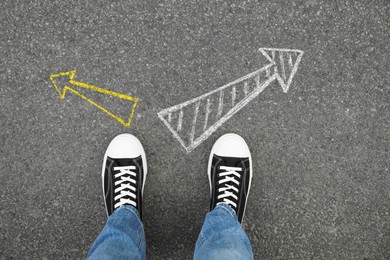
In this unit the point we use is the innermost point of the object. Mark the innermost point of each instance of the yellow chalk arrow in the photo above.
(68, 86)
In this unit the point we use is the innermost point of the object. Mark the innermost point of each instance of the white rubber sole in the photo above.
(231, 145)
(121, 147)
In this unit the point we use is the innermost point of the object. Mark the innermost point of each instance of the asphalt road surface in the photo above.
(321, 186)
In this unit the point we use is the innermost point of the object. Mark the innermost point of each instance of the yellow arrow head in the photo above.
(61, 81)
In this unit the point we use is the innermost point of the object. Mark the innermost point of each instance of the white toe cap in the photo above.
(125, 146)
(231, 145)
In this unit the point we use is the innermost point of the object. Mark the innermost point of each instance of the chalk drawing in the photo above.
(71, 85)
(193, 121)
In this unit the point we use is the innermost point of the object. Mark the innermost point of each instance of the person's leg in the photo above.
(230, 175)
(222, 236)
(121, 238)
(123, 176)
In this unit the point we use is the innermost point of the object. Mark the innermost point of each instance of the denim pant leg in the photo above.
(122, 237)
(222, 236)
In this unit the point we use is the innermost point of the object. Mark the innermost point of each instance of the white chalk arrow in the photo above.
(195, 120)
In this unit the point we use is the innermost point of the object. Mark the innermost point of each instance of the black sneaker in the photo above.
(230, 173)
(124, 172)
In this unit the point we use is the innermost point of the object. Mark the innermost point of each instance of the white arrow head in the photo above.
(286, 62)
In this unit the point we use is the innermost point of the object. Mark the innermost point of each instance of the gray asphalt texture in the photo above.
(321, 186)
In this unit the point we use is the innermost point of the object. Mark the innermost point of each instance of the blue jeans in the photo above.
(221, 237)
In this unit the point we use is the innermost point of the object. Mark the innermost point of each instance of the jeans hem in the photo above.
(229, 209)
(131, 209)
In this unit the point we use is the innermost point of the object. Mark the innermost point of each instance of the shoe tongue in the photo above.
(123, 162)
(230, 161)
